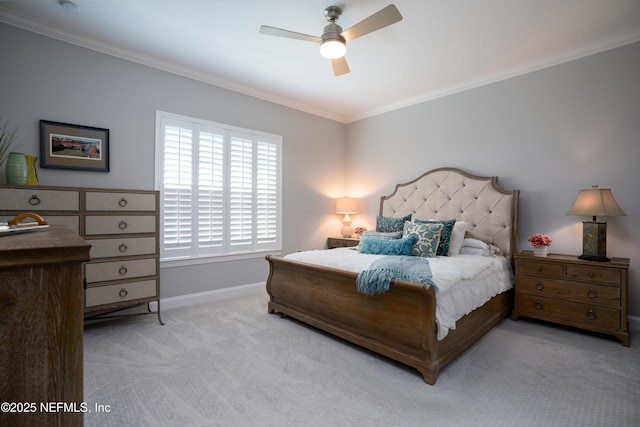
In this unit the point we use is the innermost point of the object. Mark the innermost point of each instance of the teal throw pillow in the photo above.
(445, 236)
(381, 235)
(428, 237)
(387, 224)
(371, 245)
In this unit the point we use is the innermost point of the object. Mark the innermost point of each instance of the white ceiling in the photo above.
(440, 46)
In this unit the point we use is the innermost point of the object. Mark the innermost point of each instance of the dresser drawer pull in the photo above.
(122, 270)
(539, 286)
(538, 268)
(592, 274)
(122, 202)
(122, 247)
(34, 200)
(538, 305)
(122, 225)
(591, 293)
(591, 315)
(123, 293)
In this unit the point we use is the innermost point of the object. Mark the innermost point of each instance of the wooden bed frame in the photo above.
(401, 323)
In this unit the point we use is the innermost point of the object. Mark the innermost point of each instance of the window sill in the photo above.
(181, 262)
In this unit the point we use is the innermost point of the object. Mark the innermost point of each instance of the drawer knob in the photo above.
(538, 305)
(122, 202)
(539, 286)
(591, 315)
(34, 200)
(122, 270)
(123, 293)
(591, 293)
(122, 225)
(122, 247)
(538, 268)
(592, 274)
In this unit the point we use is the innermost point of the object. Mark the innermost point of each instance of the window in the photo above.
(219, 188)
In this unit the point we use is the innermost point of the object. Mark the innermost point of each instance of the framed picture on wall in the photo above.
(67, 146)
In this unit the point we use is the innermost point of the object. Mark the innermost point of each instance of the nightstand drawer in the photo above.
(594, 274)
(568, 313)
(540, 268)
(580, 292)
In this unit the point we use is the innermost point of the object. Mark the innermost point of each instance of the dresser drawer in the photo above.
(119, 224)
(116, 270)
(594, 274)
(576, 291)
(120, 247)
(72, 222)
(119, 201)
(540, 268)
(111, 294)
(569, 313)
(36, 200)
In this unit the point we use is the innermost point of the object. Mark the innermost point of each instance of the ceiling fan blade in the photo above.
(279, 32)
(340, 66)
(384, 17)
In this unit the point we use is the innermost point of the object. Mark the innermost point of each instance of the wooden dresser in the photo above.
(122, 227)
(41, 327)
(571, 291)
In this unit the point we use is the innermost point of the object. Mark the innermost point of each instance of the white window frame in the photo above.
(263, 149)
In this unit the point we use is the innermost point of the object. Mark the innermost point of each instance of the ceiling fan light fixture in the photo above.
(333, 48)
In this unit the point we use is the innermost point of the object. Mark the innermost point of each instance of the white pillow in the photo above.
(471, 246)
(457, 237)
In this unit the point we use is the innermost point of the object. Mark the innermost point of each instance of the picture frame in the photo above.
(68, 146)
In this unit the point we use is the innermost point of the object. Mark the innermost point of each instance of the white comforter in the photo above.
(463, 282)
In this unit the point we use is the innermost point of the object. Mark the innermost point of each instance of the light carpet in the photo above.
(231, 364)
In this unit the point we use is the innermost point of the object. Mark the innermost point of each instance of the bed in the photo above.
(401, 322)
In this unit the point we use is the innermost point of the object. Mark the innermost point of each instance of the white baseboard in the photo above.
(208, 296)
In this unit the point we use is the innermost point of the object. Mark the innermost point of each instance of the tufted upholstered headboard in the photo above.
(490, 211)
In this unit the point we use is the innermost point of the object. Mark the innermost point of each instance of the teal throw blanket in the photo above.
(378, 277)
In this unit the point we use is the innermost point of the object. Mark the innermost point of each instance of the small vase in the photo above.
(32, 176)
(540, 250)
(16, 169)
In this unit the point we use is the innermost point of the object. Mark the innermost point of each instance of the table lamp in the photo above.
(346, 206)
(595, 202)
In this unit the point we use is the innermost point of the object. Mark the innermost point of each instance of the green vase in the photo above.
(16, 169)
(32, 176)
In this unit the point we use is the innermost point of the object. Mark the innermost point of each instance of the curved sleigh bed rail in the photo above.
(401, 323)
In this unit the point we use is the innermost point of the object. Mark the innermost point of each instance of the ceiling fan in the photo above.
(333, 39)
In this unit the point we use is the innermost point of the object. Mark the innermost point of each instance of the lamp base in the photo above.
(594, 241)
(595, 258)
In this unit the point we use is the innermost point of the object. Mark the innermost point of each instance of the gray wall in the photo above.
(42, 78)
(549, 133)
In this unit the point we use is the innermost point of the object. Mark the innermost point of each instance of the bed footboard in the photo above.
(399, 324)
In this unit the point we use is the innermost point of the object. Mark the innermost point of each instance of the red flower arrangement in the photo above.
(359, 230)
(538, 240)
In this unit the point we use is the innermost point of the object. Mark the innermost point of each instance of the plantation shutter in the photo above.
(219, 188)
(177, 189)
(267, 159)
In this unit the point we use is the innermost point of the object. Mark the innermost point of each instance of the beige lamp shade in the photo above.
(596, 202)
(346, 205)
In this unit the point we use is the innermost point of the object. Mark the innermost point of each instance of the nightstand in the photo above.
(567, 290)
(342, 242)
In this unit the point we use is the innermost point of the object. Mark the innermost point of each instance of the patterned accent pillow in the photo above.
(381, 235)
(445, 237)
(370, 245)
(387, 224)
(428, 237)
